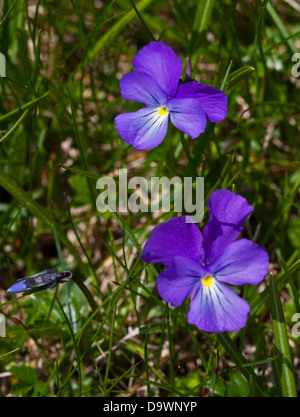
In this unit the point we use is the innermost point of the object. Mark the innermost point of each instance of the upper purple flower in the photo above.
(155, 83)
(199, 265)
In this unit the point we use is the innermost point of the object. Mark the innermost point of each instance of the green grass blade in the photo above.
(115, 30)
(24, 107)
(200, 24)
(287, 379)
(76, 347)
(37, 210)
(13, 128)
(281, 27)
(8, 13)
(239, 360)
(151, 36)
(203, 13)
(81, 150)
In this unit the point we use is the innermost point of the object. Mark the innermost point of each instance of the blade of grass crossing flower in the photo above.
(287, 378)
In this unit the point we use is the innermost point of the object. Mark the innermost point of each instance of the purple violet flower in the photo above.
(199, 265)
(155, 83)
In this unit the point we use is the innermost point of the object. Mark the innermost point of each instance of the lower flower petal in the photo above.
(174, 237)
(179, 281)
(242, 262)
(212, 100)
(187, 115)
(143, 129)
(217, 308)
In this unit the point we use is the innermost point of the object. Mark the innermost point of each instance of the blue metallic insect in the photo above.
(49, 278)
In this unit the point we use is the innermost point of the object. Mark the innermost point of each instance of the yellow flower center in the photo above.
(163, 111)
(208, 281)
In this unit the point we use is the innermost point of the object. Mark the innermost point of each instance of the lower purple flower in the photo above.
(199, 266)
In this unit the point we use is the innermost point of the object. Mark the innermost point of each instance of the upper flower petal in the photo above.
(212, 100)
(187, 115)
(242, 262)
(142, 88)
(227, 212)
(180, 280)
(217, 308)
(143, 129)
(174, 237)
(161, 63)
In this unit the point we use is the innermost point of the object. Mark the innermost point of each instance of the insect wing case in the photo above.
(38, 282)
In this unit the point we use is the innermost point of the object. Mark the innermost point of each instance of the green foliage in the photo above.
(108, 332)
